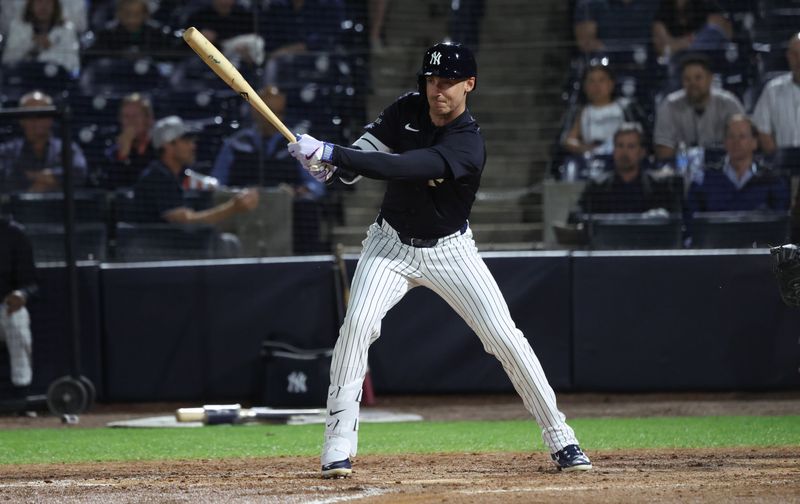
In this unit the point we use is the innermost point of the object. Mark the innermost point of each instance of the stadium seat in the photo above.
(25, 76)
(49, 241)
(632, 231)
(91, 206)
(158, 242)
(120, 76)
(199, 104)
(100, 108)
(739, 229)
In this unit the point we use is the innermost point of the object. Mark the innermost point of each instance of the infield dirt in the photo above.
(708, 475)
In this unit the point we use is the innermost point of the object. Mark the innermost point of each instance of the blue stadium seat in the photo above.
(101, 108)
(25, 76)
(120, 76)
(199, 104)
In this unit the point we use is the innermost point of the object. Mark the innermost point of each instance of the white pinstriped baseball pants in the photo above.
(453, 269)
(15, 330)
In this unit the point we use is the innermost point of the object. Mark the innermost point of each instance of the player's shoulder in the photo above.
(408, 103)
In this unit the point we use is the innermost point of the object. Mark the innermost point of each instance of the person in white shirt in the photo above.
(74, 11)
(695, 115)
(43, 35)
(594, 126)
(777, 113)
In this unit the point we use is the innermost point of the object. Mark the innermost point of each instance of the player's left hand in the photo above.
(322, 172)
(310, 151)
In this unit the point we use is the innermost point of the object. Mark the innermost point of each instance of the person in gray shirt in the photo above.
(696, 114)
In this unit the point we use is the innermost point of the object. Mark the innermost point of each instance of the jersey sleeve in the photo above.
(464, 152)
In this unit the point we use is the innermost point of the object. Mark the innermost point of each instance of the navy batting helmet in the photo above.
(447, 59)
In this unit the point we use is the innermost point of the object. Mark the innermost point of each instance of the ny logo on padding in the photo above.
(297, 383)
(435, 58)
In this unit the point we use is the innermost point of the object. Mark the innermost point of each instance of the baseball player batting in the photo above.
(430, 150)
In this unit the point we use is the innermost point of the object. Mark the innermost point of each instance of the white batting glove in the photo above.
(310, 151)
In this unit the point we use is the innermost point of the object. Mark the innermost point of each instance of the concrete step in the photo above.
(505, 233)
(494, 213)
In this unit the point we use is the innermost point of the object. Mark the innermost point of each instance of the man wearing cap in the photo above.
(32, 163)
(159, 191)
(429, 149)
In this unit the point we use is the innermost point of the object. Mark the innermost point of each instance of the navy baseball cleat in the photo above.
(571, 458)
(338, 469)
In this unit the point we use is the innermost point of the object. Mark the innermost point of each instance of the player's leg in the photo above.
(16, 330)
(381, 279)
(458, 274)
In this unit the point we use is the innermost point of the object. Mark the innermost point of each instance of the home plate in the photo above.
(368, 415)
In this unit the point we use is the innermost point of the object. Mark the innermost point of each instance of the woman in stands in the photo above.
(594, 126)
(44, 36)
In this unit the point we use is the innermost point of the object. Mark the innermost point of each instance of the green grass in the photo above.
(26, 446)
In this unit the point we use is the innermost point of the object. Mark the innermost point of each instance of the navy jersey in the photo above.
(416, 205)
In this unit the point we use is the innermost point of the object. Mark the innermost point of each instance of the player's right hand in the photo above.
(310, 151)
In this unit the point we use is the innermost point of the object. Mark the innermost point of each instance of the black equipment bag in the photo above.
(295, 377)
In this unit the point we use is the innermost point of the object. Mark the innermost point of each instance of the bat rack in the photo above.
(71, 394)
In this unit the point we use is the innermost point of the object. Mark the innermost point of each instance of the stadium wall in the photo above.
(644, 321)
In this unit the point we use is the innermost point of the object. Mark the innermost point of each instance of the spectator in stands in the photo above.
(239, 162)
(43, 35)
(696, 114)
(296, 27)
(17, 285)
(604, 24)
(159, 194)
(32, 162)
(74, 11)
(133, 150)
(132, 34)
(257, 156)
(684, 25)
(777, 113)
(628, 189)
(230, 27)
(594, 127)
(740, 184)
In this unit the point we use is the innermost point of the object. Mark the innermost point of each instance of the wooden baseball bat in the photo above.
(225, 70)
(213, 414)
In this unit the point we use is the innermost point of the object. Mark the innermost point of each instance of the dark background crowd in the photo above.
(689, 108)
(674, 109)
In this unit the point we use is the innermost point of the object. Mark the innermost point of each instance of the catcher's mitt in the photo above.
(787, 271)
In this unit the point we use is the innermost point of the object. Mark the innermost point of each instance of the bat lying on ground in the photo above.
(225, 70)
(215, 414)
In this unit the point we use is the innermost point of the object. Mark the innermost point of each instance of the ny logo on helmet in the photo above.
(435, 57)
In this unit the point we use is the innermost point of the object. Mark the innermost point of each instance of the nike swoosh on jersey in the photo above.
(409, 128)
